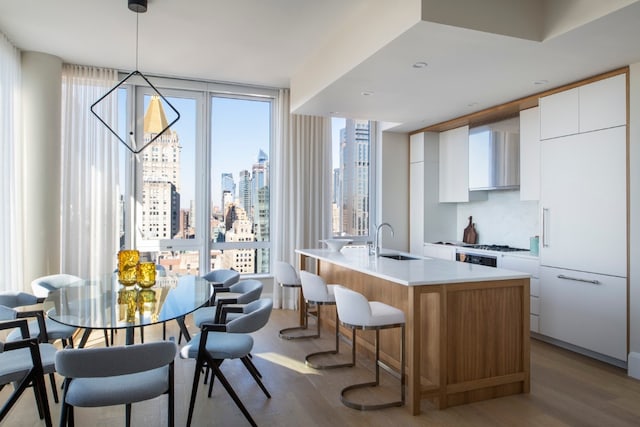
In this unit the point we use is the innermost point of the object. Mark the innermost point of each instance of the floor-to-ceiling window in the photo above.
(197, 198)
(353, 161)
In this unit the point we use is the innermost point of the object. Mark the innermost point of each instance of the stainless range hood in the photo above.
(494, 156)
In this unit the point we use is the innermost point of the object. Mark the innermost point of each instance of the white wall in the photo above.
(393, 185)
(634, 227)
(501, 220)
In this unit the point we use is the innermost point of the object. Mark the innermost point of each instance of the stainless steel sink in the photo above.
(399, 257)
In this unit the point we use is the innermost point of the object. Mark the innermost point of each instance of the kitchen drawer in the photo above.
(585, 309)
(534, 305)
(534, 323)
(432, 250)
(525, 265)
(534, 287)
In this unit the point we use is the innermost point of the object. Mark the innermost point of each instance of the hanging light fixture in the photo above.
(137, 6)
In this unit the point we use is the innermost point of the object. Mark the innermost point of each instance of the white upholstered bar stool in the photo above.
(356, 312)
(287, 277)
(316, 291)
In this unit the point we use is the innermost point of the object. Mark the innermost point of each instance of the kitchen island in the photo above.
(467, 331)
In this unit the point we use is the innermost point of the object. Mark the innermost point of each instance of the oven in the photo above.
(476, 258)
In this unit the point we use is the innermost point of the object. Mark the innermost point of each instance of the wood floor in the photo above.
(566, 390)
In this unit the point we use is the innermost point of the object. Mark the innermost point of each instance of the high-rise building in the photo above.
(238, 229)
(244, 190)
(354, 159)
(160, 176)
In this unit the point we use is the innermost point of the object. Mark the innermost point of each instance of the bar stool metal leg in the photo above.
(363, 407)
(286, 333)
(307, 360)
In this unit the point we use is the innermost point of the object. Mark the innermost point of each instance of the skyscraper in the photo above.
(354, 159)
(160, 176)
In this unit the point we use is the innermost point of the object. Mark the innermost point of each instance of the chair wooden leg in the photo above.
(171, 402)
(232, 393)
(71, 421)
(194, 388)
(54, 390)
(127, 414)
(254, 373)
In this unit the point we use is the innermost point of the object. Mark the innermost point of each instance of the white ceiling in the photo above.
(472, 64)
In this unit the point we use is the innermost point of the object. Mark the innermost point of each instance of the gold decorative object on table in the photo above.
(128, 303)
(146, 274)
(128, 266)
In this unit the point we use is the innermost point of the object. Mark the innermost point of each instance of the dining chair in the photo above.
(218, 342)
(53, 330)
(23, 363)
(47, 350)
(287, 277)
(219, 278)
(122, 375)
(238, 294)
(316, 291)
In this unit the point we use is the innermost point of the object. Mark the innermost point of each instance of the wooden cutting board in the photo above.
(470, 235)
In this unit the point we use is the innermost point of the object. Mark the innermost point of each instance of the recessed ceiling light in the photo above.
(420, 64)
(540, 82)
(472, 104)
(366, 93)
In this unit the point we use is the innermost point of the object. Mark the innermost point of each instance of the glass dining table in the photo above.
(106, 304)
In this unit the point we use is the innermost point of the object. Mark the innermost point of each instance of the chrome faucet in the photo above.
(377, 237)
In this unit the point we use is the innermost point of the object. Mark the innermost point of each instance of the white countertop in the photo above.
(422, 271)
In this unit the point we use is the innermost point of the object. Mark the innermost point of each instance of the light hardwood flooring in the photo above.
(566, 390)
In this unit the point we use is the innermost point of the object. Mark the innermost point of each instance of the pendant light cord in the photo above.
(137, 41)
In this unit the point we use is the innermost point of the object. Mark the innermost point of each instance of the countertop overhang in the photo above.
(421, 271)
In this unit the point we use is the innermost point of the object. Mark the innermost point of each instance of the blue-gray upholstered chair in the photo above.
(54, 330)
(240, 293)
(107, 376)
(21, 363)
(47, 351)
(218, 342)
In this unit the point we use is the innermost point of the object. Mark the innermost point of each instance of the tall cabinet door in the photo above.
(583, 199)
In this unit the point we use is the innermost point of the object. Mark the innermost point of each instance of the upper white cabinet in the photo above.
(598, 105)
(603, 104)
(454, 165)
(530, 154)
(416, 192)
(559, 114)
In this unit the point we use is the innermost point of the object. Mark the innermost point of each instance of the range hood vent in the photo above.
(494, 156)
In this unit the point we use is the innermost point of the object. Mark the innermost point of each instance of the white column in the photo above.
(41, 103)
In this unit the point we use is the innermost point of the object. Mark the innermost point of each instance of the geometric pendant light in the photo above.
(137, 6)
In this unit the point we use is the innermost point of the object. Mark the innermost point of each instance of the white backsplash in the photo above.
(503, 219)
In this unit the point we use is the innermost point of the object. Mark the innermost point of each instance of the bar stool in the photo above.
(287, 277)
(356, 312)
(316, 291)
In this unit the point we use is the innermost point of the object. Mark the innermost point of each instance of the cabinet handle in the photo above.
(545, 225)
(593, 282)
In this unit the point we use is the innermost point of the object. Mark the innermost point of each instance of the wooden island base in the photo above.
(465, 341)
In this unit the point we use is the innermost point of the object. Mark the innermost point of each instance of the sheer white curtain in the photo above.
(302, 187)
(90, 194)
(11, 255)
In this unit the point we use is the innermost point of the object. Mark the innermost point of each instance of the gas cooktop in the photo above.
(497, 248)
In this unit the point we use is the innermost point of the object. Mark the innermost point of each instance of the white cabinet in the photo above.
(584, 309)
(583, 202)
(531, 266)
(454, 165)
(416, 193)
(530, 154)
(603, 104)
(447, 252)
(559, 114)
(598, 105)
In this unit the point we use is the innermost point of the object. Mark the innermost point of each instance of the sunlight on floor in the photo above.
(287, 362)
